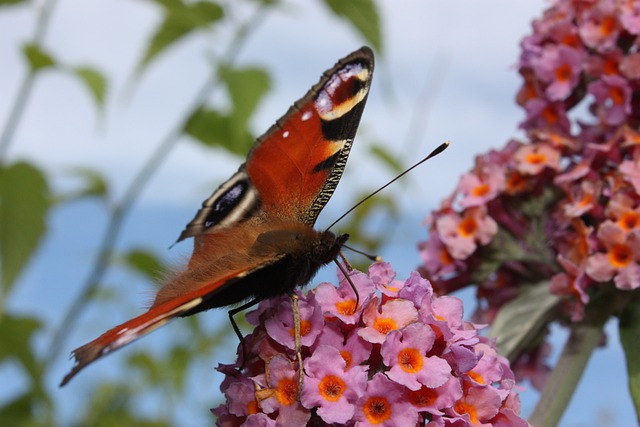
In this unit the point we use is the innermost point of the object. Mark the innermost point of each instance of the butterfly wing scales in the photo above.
(293, 169)
(157, 316)
(311, 143)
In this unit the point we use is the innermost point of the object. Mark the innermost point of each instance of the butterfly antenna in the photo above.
(434, 153)
(374, 258)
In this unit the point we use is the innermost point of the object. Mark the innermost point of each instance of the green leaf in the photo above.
(363, 14)
(216, 129)
(145, 263)
(93, 184)
(38, 59)
(380, 152)
(95, 82)
(246, 87)
(24, 204)
(180, 19)
(520, 321)
(11, 2)
(16, 334)
(630, 338)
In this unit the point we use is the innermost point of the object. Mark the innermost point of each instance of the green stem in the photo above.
(26, 86)
(563, 380)
(122, 209)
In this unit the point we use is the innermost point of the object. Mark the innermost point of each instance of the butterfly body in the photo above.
(254, 236)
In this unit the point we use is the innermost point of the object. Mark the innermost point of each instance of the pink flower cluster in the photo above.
(403, 357)
(564, 206)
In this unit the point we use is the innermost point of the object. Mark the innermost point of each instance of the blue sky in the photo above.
(450, 62)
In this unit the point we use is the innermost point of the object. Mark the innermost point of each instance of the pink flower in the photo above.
(330, 387)
(613, 98)
(393, 315)
(480, 187)
(630, 15)
(559, 66)
(340, 302)
(620, 259)
(280, 392)
(281, 328)
(406, 353)
(543, 114)
(419, 367)
(384, 404)
(460, 234)
(533, 159)
(601, 28)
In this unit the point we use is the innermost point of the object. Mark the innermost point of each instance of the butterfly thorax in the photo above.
(301, 249)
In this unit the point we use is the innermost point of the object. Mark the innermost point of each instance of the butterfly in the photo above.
(254, 237)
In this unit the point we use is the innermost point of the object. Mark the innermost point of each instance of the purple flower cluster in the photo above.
(563, 206)
(402, 357)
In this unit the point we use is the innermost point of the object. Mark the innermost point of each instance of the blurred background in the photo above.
(123, 116)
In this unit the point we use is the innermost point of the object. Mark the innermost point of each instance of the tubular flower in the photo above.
(565, 213)
(401, 358)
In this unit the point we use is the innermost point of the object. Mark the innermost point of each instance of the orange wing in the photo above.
(297, 163)
(293, 169)
(157, 316)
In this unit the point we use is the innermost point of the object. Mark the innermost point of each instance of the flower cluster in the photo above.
(564, 206)
(403, 356)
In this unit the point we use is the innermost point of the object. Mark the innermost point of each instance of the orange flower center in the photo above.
(410, 360)
(464, 408)
(346, 307)
(536, 158)
(305, 328)
(550, 115)
(332, 387)
(384, 325)
(422, 397)
(610, 66)
(476, 377)
(468, 227)
(346, 355)
(617, 95)
(629, 220)
(607, 25)
(445, 257)
(287, 391)
(563, 73)
(515, 182)
(377, 409)
(481, 190)
(620, 255)
(252, 407)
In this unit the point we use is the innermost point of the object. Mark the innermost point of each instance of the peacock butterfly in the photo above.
(254, 237)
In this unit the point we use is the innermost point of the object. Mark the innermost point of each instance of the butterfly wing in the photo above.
(293, 169)
(157, 316)
(290, 174)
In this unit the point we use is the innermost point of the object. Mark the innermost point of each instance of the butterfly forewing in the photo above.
(311, 143)
(293, 169)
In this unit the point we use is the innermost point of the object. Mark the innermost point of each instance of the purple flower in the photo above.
(613, 98)
(404, 356)
(330, 387)
(280, 327)
(559, 66)
(406, 353)
(384, 404)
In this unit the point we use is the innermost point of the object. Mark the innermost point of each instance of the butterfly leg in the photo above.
(236, 329)
(297, 340)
